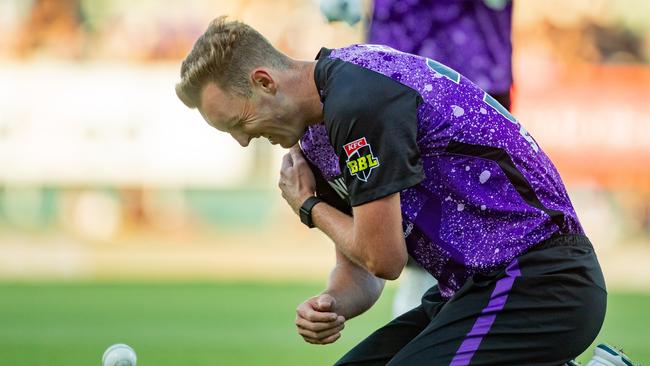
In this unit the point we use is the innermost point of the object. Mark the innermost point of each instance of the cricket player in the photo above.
(431, 166)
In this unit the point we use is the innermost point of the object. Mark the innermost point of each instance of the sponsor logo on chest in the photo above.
(361, 160)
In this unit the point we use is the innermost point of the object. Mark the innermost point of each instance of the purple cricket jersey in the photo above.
(469, 36)
(476, 189)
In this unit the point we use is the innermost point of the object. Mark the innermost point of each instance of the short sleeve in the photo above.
(372, 121)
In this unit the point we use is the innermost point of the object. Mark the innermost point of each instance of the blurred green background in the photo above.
(125, 218)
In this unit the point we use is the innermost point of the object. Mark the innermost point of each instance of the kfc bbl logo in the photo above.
(360, 161)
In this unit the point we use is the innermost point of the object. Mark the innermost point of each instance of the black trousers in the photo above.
(544, 309)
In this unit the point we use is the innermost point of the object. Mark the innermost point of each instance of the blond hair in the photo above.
(225, 54)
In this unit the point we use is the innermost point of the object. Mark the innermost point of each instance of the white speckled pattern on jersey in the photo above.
(469, 36)
(317, 148)
(466, 217)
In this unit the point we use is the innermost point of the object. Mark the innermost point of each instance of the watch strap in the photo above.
(305, 210)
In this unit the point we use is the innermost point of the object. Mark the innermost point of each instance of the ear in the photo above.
(262, 79)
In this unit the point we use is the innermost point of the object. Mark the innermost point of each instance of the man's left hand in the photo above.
(297, 181)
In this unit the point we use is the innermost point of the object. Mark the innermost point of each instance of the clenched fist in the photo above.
(317, 320)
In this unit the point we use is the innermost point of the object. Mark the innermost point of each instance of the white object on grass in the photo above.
(119, 355)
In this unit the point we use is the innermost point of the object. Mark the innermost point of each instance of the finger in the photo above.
(310, 340)
(330, 339)
(296, 155)
(306, 310)
(295, 147)
(322, 334)
(281, 184)
(316, 316)
(287, 162)
(325, 302)
(319, 335)
(317, 326)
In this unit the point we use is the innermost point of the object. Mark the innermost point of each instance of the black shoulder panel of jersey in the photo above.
(372, 122)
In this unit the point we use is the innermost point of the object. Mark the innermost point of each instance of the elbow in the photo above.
(387, 268)
(388, 275)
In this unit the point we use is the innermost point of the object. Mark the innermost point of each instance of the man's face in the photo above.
(264, 114)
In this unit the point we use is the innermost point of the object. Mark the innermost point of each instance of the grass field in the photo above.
(207, 324)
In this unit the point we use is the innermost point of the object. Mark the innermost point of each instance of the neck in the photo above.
(307, 94)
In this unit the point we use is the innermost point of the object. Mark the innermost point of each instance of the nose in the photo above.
(242, 138)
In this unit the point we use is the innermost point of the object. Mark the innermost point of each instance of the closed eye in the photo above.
(237, 125)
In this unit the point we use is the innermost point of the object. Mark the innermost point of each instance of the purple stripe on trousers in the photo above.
(488, 314)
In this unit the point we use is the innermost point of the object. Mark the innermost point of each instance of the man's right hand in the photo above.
(317, 320)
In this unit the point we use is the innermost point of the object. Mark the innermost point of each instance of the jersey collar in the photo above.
(321, 72)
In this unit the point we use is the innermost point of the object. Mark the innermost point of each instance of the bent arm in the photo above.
(354, 288)
(372, 238)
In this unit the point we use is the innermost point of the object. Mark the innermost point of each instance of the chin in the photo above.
(287, 144)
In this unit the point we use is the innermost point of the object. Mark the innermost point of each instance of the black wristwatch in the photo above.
(305, 210)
